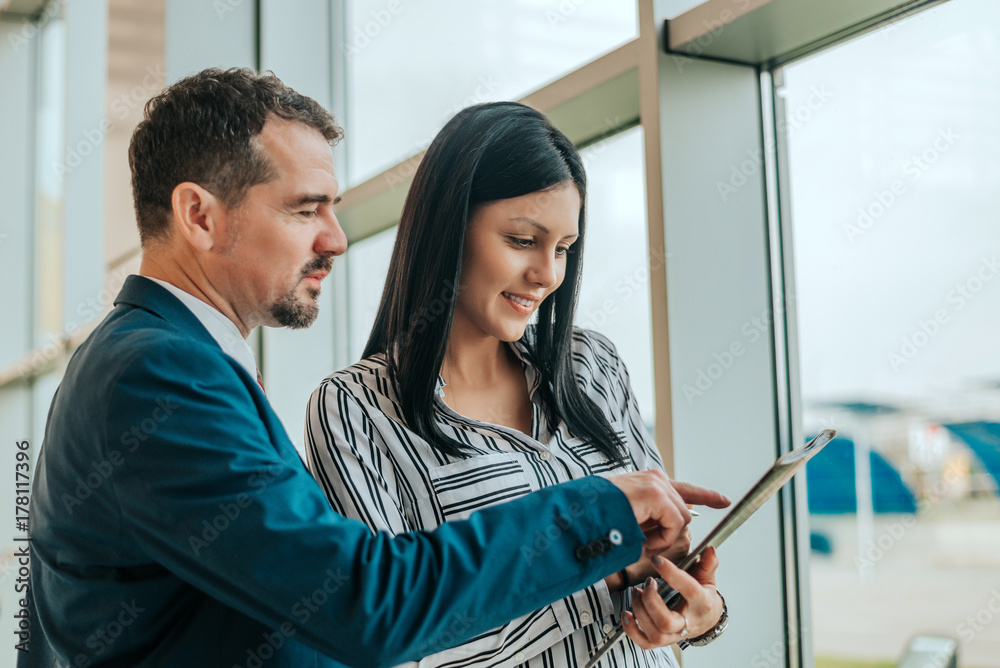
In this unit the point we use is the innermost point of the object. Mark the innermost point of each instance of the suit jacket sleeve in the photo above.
(208, 491)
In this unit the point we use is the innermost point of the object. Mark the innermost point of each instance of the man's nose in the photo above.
(332, 240)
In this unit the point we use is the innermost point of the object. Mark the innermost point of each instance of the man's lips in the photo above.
(315, 279)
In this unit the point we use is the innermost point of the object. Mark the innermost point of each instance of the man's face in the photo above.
(281, 240)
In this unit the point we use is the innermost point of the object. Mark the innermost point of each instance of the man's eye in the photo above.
(307, 214)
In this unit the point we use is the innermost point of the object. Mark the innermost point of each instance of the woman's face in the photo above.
(514, 257)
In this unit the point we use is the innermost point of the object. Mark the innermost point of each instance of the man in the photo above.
(173, 521)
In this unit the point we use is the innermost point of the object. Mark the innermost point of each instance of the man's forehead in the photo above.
(295, 140)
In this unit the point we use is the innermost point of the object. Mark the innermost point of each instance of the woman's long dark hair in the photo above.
(485, 153)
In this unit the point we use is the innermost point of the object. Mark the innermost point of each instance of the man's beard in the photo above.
(290, 311)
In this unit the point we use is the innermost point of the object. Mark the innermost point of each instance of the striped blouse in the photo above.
(372, 467)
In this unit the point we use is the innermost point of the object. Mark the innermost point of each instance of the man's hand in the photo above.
(660, 505)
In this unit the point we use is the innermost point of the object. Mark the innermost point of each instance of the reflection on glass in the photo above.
(614, 296)
(409, 70)
(893, 140)
(367, 267)
(52, 164)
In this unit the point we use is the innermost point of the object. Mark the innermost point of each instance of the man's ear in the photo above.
(198, 215)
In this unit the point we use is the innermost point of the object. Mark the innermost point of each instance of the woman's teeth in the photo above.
(522, 302)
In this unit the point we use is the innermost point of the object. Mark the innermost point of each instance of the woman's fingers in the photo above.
(704, 570)
(660, 624)
(683, 582)
(651, 624)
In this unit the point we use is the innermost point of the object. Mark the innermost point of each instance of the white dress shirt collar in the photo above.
(222, 329)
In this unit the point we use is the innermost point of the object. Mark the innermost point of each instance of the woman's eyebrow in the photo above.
(540, 226)
(530, 222)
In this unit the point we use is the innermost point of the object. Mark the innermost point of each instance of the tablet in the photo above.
(780, 472)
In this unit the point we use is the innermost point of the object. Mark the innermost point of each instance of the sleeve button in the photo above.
(585, 617)
(606, 628)
(615, 536)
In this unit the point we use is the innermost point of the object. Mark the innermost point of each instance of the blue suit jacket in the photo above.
(174, 524)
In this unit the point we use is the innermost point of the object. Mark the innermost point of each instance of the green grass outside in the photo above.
(830, 662)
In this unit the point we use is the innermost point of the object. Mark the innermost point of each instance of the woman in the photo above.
(460, 404)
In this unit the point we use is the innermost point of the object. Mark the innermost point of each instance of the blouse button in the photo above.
(545, 456)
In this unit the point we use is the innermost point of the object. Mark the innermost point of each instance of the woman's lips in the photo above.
(519, 304)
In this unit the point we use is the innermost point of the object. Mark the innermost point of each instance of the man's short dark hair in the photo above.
(202, 129)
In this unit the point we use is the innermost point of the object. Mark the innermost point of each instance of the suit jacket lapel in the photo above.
(143, 293)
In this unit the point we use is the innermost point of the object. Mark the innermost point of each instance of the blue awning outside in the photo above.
(830, 480)
(983, 438)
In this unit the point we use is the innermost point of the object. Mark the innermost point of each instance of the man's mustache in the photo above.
(321, 263)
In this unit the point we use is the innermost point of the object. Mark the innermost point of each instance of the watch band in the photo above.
(713, 633)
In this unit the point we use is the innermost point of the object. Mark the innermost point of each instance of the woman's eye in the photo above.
(521, 243)
(562, 251)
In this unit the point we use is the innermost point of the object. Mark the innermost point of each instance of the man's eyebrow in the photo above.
(309, 199)
(535, 223)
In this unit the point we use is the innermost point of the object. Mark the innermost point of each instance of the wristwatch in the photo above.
(713, 633)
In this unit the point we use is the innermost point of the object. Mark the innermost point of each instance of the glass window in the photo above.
(367, 267)
(409, 70)
(52, 164)
(893, 140)
(614, 296)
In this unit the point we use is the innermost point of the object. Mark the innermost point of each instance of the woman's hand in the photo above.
(652, 624)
